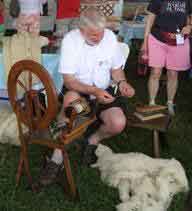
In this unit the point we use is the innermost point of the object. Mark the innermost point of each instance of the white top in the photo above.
(91, 65)
(29, 7)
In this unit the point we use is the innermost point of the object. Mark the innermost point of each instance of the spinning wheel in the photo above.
(26, 83)
(33, 98)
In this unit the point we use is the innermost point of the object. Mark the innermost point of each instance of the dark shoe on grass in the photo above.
(49, 173)
(89, 156)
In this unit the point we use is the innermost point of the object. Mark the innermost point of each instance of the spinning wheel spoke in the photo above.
(30, 78)
(21, 85)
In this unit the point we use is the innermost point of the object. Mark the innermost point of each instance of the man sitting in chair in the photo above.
(90, 58)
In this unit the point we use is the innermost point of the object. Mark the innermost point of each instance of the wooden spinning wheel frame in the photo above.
(28, 82)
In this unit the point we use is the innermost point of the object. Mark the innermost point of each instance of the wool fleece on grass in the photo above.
(144, 183)
(8, 126)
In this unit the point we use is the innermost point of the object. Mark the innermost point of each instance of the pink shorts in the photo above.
(172, 57)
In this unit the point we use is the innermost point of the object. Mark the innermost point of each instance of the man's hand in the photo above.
(186, 30)
(103, 96)
(126, 89)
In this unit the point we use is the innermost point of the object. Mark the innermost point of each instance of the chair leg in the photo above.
(70, 179)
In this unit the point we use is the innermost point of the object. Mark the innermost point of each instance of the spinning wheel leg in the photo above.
(25, 161)
(19, 169)
(26, 164)
(69, 176)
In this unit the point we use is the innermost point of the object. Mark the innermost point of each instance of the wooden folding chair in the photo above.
(27, 81)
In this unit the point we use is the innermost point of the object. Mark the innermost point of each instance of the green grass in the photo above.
(94, 195)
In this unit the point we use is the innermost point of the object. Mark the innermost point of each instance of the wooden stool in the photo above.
(155, 125)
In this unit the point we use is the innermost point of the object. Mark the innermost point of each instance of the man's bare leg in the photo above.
(111, 125)
(114, 121)
(69, 97)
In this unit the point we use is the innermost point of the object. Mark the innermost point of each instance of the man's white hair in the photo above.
(91, 17)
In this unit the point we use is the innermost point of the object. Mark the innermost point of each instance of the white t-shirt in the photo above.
(29, 7)
(91, 65)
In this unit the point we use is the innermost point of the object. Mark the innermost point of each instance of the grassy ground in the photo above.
(94, 195)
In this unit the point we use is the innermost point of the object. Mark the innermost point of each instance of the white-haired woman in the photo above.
(29, 17)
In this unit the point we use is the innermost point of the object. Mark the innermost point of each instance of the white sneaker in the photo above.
(171, 109)
(152, 103)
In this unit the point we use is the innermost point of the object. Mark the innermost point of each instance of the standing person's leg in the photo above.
(157, 59)
(178, 59)
(172, 83)
(153, 84)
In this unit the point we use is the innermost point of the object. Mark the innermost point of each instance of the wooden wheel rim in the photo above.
(42, 74)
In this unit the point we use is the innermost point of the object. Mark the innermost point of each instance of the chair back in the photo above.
(125, 50)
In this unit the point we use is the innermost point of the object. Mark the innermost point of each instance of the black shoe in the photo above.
(89, 156)
(49, 173)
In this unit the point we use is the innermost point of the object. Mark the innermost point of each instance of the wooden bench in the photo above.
(155, 125)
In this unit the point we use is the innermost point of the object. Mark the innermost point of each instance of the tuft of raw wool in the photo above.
(8, 129)
(144, 183)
